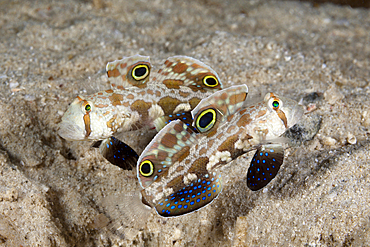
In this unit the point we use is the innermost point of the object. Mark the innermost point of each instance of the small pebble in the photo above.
(329, 141)
(100, 221)
(365, 121)
(332, 95)
(311, 107)
(176, 234)
(13, 84)
(29, 97)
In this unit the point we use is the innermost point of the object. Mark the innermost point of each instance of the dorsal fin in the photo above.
(179, 71)
(165, 149)
(226, 101)
(170, 184)
(185, 117)
(176, 72)
(129, 71)
(216, 108)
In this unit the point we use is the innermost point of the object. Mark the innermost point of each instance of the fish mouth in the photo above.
(71, 131)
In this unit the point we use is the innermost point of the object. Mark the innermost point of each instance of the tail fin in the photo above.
(126, 212)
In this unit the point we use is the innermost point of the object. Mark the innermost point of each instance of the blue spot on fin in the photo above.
(184, 203)
(265, 165)
(118, 153)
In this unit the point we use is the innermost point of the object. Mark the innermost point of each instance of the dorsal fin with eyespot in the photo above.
(217, 107)
(171, 186)
(165, 149)
(183, 71)
(121, 73)
(176, 72)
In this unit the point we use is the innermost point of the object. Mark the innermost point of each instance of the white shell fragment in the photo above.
(351, 139)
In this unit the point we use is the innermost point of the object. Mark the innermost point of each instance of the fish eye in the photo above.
(146, 168)
(206, 120)
(275, 104)
(87, 107)
(210, 81)
(140, 72)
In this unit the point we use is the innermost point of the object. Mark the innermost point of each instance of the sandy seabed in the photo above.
(59, 193)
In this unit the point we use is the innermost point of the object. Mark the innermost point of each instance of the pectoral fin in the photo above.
(192, 197)
(117, 153)
(265, 165)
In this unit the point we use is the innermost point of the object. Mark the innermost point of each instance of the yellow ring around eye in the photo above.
(140, 72)
(210, 81)
(146, 168)
(206, 120)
